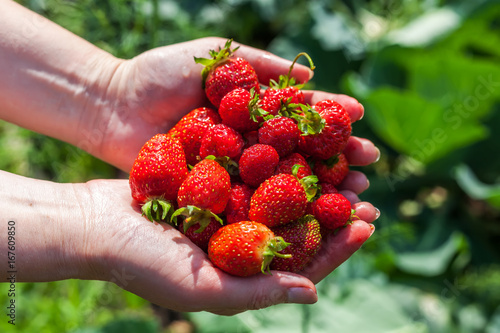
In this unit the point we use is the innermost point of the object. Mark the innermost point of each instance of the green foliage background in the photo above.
(428, 74)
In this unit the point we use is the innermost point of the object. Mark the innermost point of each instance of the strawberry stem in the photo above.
(272, 250)
(311, 64)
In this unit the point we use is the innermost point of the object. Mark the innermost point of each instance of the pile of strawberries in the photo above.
(252, 180)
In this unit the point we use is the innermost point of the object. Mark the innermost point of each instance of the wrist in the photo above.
(51, 229)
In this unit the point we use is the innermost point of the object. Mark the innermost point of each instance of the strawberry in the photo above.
(240, 110)
(281, 199)
(245, 248)
(286, 164)
(327, 188)
(332, 210)
(332, 170)
(332, 139)
(204, 193)
(275, 100)
(239, 203)
(257, 163)
(191, 129)
(198, 235)
(284, 94)
(157, 173)
(281, 133)
(221, 140)
(304, 237)
(251, 138)
(223, 73)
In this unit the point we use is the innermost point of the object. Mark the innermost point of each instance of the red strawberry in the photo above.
(257, 164)
(275, 100)
(286, 164)
(251, 138)
(332, 139)
(284, 95)
(304, 237)
(281, 133)
(204, 193)
(281, 199)
(200, 236)
(239, 203)
(191, 129)
(157, 173)
(240, 110)
(223, 73)
(332, 170)
(244, 248)
(327, 188)
(332, 210)
(221, 140)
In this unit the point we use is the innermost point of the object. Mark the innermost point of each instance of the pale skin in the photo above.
(58, 84)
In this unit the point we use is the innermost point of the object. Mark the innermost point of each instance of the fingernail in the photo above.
(372, 228)
(362, 111)
(311, 74)
(302, 296)
(377, 213)
(378, 155)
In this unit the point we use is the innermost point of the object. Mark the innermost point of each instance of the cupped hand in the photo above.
(159, 264)
(148, 94)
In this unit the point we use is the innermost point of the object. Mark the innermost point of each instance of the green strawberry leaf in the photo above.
(216, 58)
(309, 183)
(195, 215)
(272, 250)
(309, 121)
(156, 210)
(254, 106)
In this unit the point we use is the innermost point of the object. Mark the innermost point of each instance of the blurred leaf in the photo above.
(431, 263)
(474, 188)
(426, 28)
(494, 325)
(415, 126)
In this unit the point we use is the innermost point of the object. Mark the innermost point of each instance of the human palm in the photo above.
(158, 263)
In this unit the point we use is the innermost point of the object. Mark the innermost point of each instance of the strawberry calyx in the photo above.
(156, 209)
(309, 183)
(194, 215)
(272, 250)
(330, 162)
(353, 216)
(309, 121)
(227, 163)
(254, 107)
(286, 81)
(217, 57)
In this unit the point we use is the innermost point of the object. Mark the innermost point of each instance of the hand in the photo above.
(158, 263)
(151, 92)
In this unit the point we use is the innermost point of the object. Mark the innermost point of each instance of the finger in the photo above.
(366, 211)
(360, 151)
(350, 195)
(269, 66)
(355, 181)
(337, 248)
(351, 105)
(261, 291)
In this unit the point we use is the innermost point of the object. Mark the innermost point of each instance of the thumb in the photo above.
(261, 291)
